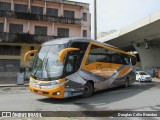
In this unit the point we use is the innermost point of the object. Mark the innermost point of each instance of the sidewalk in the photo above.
(11, 80)
(26, 83)
(156, 79)
(12, 85)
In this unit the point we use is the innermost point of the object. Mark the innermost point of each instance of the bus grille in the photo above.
(44, 93)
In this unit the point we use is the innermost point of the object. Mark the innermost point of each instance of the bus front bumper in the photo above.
(59, 92)
(52, 93)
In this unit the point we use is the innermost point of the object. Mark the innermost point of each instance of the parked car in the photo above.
(143, 76)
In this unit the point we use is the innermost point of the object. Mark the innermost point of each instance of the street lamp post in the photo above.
(95, 19)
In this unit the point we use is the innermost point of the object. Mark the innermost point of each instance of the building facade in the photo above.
(25, 24)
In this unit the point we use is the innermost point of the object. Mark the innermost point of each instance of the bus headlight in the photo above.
(33, 83)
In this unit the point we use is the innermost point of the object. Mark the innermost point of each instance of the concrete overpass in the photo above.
(143, 37)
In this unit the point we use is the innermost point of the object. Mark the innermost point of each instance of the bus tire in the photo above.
(88, 89)
(126, 82)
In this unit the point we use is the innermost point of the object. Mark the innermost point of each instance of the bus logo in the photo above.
(6, 114)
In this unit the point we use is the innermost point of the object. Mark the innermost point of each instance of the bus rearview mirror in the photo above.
(63, 53)
(28, 53)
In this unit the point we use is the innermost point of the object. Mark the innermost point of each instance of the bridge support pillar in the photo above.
(149, 57)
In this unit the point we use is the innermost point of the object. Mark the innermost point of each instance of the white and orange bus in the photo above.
(78, 66)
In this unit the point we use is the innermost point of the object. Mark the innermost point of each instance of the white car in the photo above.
(143, 76)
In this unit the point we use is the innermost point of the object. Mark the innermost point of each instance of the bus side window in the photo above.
(126, 60)
(134, 60)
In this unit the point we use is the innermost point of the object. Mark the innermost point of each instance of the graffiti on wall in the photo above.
(9, 65)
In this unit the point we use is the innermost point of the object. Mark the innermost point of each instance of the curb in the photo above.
(13, 85)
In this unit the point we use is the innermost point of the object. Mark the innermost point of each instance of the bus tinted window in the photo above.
(134, 60)
(95, 55)
(99, 54)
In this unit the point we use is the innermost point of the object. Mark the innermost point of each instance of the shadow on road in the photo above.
(104, 97)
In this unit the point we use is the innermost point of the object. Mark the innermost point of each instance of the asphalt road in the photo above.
(137, 97)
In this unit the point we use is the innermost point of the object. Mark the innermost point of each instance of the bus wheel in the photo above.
(126, 83)
(88, 89)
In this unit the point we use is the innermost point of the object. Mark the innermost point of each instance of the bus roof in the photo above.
(79, 39)
(74, 39)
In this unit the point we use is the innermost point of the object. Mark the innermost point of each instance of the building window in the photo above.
(5, 6)
(20, 8)
(1, 27)
(84, 16)
(37, 10)
(84, 33)
(10, 50)
(52, 12)
(68, 14)
(16, 28)
(63, 32)
(40, 30)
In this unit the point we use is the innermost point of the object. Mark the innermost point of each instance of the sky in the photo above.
(116, 14)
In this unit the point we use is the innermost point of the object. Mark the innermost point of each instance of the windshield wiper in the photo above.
(39, 67)
(46, 66)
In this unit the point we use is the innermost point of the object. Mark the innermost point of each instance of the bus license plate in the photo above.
(40, 92)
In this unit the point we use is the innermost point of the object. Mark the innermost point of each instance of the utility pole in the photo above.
(95, 19)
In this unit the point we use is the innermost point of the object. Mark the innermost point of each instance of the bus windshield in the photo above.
(46, 64)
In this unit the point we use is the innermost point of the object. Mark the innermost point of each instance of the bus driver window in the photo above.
(71, 64)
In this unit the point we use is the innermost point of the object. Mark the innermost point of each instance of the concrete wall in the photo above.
(11, 77)
(149, 57)
(24, 49)
(86, 25)
(8, 77)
